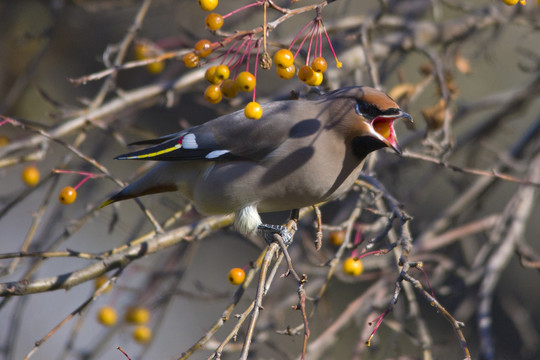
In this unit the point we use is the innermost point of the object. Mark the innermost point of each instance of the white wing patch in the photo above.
(189, 141)
(216, 153)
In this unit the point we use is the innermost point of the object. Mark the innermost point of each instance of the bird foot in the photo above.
(267, 231)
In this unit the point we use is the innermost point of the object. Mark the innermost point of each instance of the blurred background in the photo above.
(468, 73)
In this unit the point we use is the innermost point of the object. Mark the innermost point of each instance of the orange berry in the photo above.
(283, 58)
(107, 316)
(305, 73)
(208, 5)
(213, 94)
(210, 75)
(253, 110)
(245, 81)
(203, 48)
(30, 175)
(316, 79)
(137, 315)
(319, 65)
(222, 72)
(67, 195)
(236, 276)
(352, 266)
(214, 21)
(191, 60)
(229, 88)
(337, 237)
(142, 334)
(286, 73)
(100, 280)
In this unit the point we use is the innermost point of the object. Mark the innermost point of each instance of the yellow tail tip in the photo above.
(108, 202)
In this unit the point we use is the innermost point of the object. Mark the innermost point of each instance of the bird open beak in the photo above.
(383, 127)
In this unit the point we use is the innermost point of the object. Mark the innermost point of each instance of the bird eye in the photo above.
(367, 110)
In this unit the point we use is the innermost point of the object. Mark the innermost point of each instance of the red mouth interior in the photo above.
(383, 126)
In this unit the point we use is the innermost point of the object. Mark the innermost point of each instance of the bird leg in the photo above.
(267, 231)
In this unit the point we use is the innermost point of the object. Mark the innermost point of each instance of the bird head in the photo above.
(371, 127)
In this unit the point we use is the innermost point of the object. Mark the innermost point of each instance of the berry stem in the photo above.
(302, 43)
(357, 241)
(298, 35)
(81, 182)
(256, 66)
(338, 63)
(379, 321)
(257, 3)
(311, 35)
(248, 52)
(90, 175)
(236, 63)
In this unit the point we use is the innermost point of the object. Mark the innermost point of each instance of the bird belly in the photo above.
(229, 187)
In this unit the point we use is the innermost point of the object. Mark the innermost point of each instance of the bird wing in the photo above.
(230, 137)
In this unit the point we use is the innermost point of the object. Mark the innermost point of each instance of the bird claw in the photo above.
(267, 231)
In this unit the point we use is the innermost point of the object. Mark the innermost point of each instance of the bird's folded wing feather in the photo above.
(230, 137)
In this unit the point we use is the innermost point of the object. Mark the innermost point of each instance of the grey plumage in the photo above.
(300, 153)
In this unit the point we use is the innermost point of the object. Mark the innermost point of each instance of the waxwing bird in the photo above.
(299, 153)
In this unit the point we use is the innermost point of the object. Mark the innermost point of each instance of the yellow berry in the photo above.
(352, 266)
(30, 175)
(208, 5)
(214, 21)
(222, 72)
(213, 94)
(319, 65)
(229, 88)
(155, 67)
(253, 110)
(245, 81)
(236, 276)
(137, 315)
(4, 140)
(210, 75)
(67, 195)
(305, 73)
(283, 58)
(337, 237)
(100, 280)
(203, 48)
(142, 334)
(141, 51)
(316, 79)
(107, 316)
(286, 73)
(510, 2)
(191, 60)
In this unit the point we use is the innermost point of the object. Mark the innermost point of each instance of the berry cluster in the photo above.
(134, 315)
(231, 73)
(310, 73)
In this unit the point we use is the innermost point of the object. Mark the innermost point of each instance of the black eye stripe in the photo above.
(367, 110)
(370, 111)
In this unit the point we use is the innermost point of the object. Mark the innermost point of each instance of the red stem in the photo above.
(257, 3)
